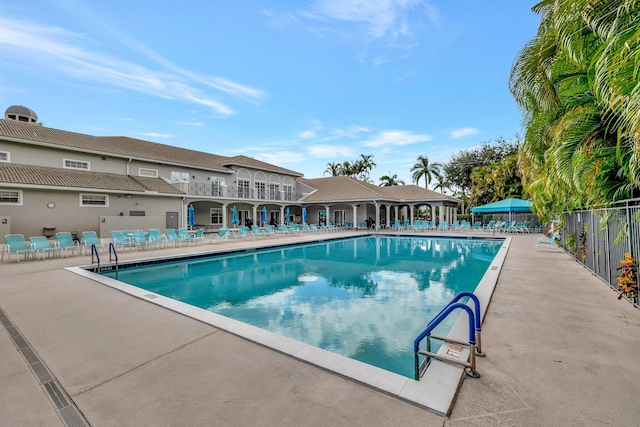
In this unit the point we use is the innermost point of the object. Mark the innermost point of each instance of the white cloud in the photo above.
(156, 135)
(330, 151)
(281, 157)
(375, 18)
(308, 134)
(58, 51)
(396, 137)
(191, 123)
(461, 133)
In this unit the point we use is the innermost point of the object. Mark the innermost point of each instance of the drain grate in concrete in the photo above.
(66, 409)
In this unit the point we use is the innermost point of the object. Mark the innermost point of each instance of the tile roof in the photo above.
(128, 147)
(257, 164)
(11, 173)
(344, 188)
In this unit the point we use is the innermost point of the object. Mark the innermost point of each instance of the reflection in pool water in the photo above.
(366, 298)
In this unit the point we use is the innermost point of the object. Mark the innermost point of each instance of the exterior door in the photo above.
(172, 220)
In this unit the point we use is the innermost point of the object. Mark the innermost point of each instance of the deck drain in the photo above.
(495, 267)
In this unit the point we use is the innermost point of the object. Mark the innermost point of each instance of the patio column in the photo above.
(355, 215)
(281, 215)
(433, 213)
(411, 214)
(327, 219)
(255, 212)
(455, 213)
(396, 212)
(224, 215)
(387, 220)
(442, 209)
(377, 220)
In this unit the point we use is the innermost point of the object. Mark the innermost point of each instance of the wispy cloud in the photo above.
(330, 151)
(461, 133)
(371, 19)
(396, 137)
(61, 52)
(156, 135)
(282, 157)
(191, 123)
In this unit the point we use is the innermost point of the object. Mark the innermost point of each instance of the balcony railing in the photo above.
(233, 191)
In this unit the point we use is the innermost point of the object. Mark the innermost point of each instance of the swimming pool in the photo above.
(366, 298)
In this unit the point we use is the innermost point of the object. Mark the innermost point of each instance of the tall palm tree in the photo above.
(389, 180)
(333, 169)
(426, 169)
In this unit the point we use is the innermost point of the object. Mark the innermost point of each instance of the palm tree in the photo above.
(333, 169)
(389, 180)
(423, 168)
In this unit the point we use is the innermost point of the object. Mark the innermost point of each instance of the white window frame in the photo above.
(180, 176)
(261, 189)
(89, 205)
(148, 173)
(65, 166)
(244, 188)
(274, 191)
(19, 194)
(6, 155)
(218, 214)
(288, 192)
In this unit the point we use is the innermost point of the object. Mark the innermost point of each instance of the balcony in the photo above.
(235, 192)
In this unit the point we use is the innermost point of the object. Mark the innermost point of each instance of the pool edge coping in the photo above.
(436, 391)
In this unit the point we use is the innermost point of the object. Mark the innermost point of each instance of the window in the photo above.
(4, 156)
(274, 191)
(76, 164)
(244, 189)
(180, 176)
(288, 192)
(216, 216)
(94, 200)
(151, 173)
(216, 185)
(261, 190)
(137, 213)
(10, 197)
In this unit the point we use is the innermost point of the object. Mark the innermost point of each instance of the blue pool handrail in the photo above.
(94, 250)
(474, 318)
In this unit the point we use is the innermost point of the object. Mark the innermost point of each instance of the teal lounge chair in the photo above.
(185, 236)
(121, 238)
(155, 237)
(172, 236)
(222, 234)
(42, 245)
(443, 226)
(551, 241)
(256, 231)
(140, 239)
(66, 244)
(90, 238)
(15, 244)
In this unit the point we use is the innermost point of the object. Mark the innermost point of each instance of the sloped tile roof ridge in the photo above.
(12, 173)
(242, 160)
(117, 145)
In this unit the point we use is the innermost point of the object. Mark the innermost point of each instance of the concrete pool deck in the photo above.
(561, 350)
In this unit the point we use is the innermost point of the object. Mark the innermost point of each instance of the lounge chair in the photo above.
(156, 237)
(443, 226)
(185, 236)
(314, 227)
(222, 234)
(121, 238)
(66, 243)
(41, 244)
(172, 236)
(140, 239)
(270, 230)
(550, 241)
(256, 231)
(477, 226)
(90, 238)
(283, 229)
(15, 244)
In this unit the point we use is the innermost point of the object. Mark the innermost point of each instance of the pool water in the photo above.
(366, 298)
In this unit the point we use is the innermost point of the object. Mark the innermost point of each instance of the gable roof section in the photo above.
(344, 188)
(128, 147)
(257, 164)
(11, 173)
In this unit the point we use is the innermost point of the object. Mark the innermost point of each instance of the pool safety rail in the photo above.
(112, 250)
(474, 344)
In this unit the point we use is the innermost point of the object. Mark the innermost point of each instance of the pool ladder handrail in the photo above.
(112, 249)
(474, 344)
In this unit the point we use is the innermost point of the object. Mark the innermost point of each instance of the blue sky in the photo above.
(295, 83)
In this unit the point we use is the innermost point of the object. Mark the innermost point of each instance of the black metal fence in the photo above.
(600, 239)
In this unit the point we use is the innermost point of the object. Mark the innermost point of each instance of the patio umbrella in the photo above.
(264, 215)
(304, 215)
(192, 219)
(234, 215)
(286, 216)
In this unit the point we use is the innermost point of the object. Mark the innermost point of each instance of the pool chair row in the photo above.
(153, 239)
(39, 247)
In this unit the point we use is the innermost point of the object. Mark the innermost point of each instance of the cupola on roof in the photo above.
(21, 114)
